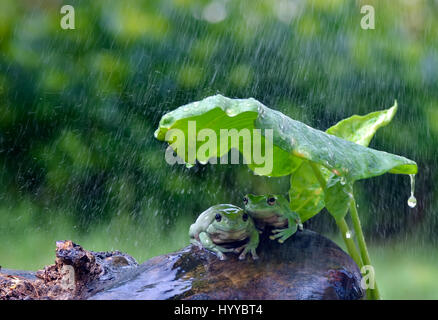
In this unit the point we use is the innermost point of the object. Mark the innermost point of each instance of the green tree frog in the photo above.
(224, 224)
(273, 210)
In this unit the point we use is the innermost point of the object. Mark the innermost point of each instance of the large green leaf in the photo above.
(338, 194)
(218, 113)
(293, 141)
(306, 194)
(361, 129)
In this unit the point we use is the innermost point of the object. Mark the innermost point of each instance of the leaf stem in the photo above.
(351, 246)
(318, 175)
(373, 293)
(341, 223)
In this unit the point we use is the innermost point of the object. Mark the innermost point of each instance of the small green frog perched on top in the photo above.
(273, 210)
(224, 224)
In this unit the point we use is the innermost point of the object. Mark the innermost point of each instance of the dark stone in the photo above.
(306, 266)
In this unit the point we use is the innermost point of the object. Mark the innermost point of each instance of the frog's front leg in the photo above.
(251, 246)
(294, 223)
(283, 234)
(207, 243)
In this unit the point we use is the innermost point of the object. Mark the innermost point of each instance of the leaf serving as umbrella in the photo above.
(340, 152)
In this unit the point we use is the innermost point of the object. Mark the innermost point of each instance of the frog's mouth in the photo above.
(233, 232)
(235, 244)
(221, 236)
(262, 213)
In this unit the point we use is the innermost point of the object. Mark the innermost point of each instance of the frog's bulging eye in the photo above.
(245, 217)
(245, 200)
(218, 217)
(271, 201)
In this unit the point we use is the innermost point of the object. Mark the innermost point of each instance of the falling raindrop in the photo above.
(412, 201)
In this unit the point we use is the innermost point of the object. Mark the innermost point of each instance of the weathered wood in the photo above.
(75, 275)
(306, 266)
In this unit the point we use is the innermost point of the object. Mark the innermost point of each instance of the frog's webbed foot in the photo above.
(196, 243)
(251, 247)
(220, 255)
(283, 234)
(219, 251)
(254, 254)
(247, 249)
(214, 250)
(238, 249)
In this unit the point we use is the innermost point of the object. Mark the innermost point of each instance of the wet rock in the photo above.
(306, 266)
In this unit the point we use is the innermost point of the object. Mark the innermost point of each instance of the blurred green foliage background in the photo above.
(78, 109)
